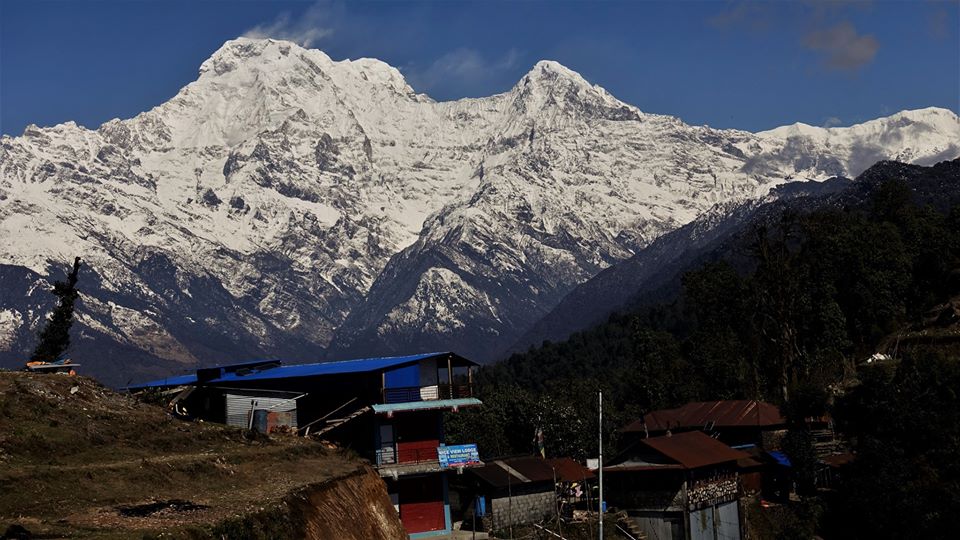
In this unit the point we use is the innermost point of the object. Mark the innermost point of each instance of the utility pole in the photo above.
(600, 461)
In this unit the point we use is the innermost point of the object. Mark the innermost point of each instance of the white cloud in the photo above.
(461, 69)
(839, 44)
(842, 46)
(306, 30)
(832, 121)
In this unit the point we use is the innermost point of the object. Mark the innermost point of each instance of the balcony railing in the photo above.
(406, 456)
(455, 391)
(405, 394)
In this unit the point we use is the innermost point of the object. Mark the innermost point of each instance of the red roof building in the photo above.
(693, 449)
(686, 451)
(715, 414)
(683, 485)
(734, 422)
(569, 470)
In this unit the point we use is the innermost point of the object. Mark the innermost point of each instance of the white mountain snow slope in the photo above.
(288, 205)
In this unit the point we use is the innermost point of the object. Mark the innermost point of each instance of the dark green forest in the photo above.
(821, 291)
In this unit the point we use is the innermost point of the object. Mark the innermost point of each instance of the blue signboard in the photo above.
(458, 455)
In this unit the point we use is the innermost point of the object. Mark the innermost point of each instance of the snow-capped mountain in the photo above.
(654, 275)
(285, 204)
(922, 137)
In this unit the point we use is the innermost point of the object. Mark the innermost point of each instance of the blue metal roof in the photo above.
(327, 368)
(781, 458)
(299, 370)
(180, 380)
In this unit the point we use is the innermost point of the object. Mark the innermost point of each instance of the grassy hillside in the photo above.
(81, 461)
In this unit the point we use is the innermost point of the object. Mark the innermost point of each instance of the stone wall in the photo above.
(518, 509)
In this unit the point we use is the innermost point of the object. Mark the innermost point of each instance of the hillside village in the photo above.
(327, 270)
(692, 472)
(397, 446)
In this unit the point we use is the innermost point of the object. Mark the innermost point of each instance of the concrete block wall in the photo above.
(518, 509)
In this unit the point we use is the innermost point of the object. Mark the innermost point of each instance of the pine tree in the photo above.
(55, 336)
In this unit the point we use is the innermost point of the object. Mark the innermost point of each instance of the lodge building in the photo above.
(389, 410)
(678, 487)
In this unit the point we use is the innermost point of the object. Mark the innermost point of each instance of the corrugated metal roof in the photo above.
(780, 458)
(727, 413)
(569, 470)
(514, 471)
(493, 475)
(180, 380)
(327, 368)
(837, 460)
(694, 449)
(361, 365)
(631, 467)
(748, 463)
(239, 407)
(535, 468)
(383, 408)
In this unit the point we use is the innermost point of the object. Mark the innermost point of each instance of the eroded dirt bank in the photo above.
(352, 507)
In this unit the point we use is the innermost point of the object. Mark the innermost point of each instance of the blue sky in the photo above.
(748, 65)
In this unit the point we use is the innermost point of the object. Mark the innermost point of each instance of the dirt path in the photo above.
(25, 470)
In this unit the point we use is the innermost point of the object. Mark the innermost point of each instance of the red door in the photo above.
(421, 504)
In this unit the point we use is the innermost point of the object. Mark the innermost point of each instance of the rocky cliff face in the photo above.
(288, 205)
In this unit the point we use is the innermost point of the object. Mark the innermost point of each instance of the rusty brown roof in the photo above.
(838, 460)
(519, 470)
(694, 449)
(626, 467)
(726, 413)
(492, 475)
(569, 470)
(748, 463)
(535, 468)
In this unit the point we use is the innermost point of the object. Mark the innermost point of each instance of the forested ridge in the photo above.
(788, 313)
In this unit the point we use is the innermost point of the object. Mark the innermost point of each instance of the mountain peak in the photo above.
(285, 57)
(551, 86)
(256, 51)
(551, 71)
(211, 218)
